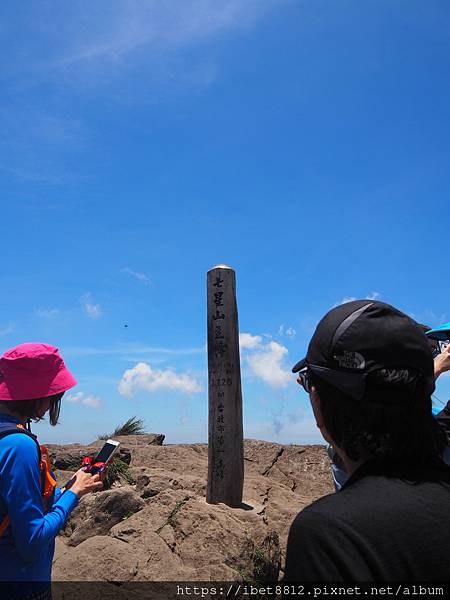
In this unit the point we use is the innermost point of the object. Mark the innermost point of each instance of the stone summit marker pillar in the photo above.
(225, 435)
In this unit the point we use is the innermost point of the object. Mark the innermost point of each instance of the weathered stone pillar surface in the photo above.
(225, 438)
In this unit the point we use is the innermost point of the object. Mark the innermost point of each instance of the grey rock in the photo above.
(97, 513)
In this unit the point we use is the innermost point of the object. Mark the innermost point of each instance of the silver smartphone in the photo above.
(107, 452)
(104, 456)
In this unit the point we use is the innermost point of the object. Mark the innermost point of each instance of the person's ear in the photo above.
(316, 406)
(317, 410)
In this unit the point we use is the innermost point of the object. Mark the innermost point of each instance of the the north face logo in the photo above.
(350, 360)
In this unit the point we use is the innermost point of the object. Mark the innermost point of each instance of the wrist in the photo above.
(76, 491)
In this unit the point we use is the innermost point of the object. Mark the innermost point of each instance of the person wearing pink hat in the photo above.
(33, 379)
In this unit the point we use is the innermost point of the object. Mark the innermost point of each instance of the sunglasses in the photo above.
(353, 385)
(303, 379)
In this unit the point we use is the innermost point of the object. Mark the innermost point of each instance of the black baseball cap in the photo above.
(358, 337)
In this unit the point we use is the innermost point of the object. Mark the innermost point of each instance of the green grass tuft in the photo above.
(171, 517)
(178, 506)
(127, 515)
(117, 469)
(133, 426)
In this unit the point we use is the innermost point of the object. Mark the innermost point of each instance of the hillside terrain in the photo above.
(154, 524)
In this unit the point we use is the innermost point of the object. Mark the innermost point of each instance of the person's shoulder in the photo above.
(330, 501)
(322, 504)
(337, 508)
(321, 510)
(17, 442)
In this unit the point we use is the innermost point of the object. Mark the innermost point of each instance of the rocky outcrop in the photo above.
(161, 527)
(98, 513)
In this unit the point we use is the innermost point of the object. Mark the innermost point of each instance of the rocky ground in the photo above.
(155, 525)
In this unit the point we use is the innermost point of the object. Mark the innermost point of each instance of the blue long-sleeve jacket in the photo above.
(27, 547)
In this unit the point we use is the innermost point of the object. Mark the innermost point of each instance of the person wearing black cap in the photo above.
(441, 365)
(369, 373)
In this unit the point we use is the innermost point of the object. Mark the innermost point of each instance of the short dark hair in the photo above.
(28, 409)
(392, 423)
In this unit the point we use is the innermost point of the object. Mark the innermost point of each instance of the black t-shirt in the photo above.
(443, 418)
(377, 528)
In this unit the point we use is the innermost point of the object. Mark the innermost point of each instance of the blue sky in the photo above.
(303, 142)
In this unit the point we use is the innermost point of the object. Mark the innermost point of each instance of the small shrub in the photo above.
(133, 426)
(259, 563)
(171, 517)
(117, 470)
(178, 506)
(260, 569)
(127, 515)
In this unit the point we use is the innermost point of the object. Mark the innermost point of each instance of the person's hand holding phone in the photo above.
(84, 483)
(442, 361)
(90, 477)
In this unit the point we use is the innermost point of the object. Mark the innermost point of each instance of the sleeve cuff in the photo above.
(68, 501)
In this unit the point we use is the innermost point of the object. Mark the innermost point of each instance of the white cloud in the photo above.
(287, 331)
(345, 300)
(286, 429)
(141, 39)
(266, 364)
(136, 50)
(144, 377)
(85, 399)
(47, 313)
(264, 359)
(92, 310)
(142, 277)
(121, 28)
(8, 329)
(371, 296)
(249, 341)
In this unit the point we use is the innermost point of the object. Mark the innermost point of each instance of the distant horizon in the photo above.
(323, 443)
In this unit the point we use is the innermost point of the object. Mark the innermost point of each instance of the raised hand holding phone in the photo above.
(442, 360)
(89, 477)
(104, 457)
(84, 482)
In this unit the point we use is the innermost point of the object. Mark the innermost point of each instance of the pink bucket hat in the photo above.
(33, 370)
